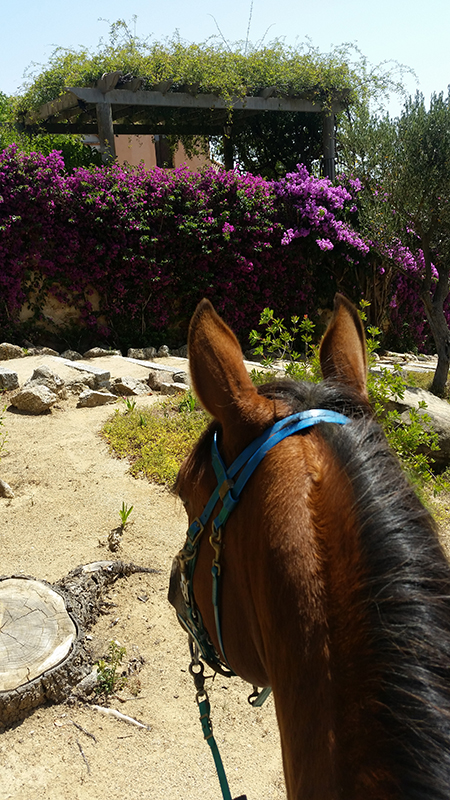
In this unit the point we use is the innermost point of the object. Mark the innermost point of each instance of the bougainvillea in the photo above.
(152, 243)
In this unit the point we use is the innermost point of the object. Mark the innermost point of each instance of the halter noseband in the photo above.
(229, 491)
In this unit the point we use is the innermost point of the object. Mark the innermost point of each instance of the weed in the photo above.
(108, 679)
(189, 401)
(124, 513)
(130, 404)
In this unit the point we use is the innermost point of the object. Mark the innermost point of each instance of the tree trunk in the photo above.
(44, 652)
(433, 297)
(434, 308)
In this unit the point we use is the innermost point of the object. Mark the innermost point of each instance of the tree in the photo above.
(404, 165)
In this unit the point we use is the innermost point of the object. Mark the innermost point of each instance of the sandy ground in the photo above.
(68, 491)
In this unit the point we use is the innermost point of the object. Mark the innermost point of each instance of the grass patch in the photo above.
(156, 439)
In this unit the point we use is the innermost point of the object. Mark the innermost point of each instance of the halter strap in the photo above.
(229, 491)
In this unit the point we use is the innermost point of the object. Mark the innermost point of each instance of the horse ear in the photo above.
(343, 355)
(218, 373)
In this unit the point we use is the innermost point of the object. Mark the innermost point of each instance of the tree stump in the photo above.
(43, 648)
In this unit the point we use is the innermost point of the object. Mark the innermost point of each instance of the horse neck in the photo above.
(312, 634)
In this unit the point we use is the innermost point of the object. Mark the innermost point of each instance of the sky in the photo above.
(405, 31)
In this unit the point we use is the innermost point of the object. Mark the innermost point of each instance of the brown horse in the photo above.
(334, 589)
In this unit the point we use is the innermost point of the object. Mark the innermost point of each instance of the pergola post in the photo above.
(329, 144)
(106, 131)
(228, 148)
(163, 152)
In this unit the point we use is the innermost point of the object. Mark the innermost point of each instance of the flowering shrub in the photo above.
(151, 244)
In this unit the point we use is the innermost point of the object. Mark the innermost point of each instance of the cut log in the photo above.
(44, 652)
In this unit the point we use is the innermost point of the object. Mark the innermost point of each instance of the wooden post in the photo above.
(162, 151)
(329, 147)
(228, 148)
(106, 132)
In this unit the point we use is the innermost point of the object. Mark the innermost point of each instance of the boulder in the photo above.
(129, 386)
(8, 379)
(173, 388)
(142, 353)
(180, 377)
(34, 399)
(100, 352)
(90, 398)
(44, 376)
(156, 378)
(8, 351)
(163, 351)
(71, 355)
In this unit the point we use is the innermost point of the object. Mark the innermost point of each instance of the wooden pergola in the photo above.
(118, 106)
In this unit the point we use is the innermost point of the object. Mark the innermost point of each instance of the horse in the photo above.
(334, 588)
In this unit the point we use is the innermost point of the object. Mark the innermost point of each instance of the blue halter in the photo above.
(229, 491)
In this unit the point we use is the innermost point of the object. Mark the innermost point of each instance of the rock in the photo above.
(86, 381)
(8, 379)
(101, 377)
(163, 351)
(157, 377)
(439, 412)
(8, 351)
(71, 355)
(142, 354)
(181, 352)
(46, 351)
(99, 352)
(34, 399)
(5, 489)
(173, 388)
(44, 376)
(129, 386)
(90, 398)
(180, 377)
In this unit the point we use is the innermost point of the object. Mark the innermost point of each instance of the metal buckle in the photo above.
(215, 541)
(225, 488)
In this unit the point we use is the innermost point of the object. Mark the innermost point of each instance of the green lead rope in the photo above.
(205, 708)
(196, 669)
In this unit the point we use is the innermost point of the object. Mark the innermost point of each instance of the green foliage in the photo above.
(124, 513)
(278, 341)
(108, 679)
(407, 439)
(404, 165)
(73, 151)
(212, 67)
(156, 439)
(189, 401)
(130, 405)
(271, 144)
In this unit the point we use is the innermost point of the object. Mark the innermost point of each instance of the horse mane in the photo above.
(406, 592)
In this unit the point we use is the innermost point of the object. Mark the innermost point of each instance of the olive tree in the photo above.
(404, 164)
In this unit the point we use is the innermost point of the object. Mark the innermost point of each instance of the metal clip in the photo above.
(215, 541)
(184, 586)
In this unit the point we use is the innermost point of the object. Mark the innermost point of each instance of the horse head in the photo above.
(289, 538)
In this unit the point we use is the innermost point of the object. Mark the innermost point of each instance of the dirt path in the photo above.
(68, 491)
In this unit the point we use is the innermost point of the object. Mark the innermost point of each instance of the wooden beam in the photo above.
(209, 101)
(106, 132)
